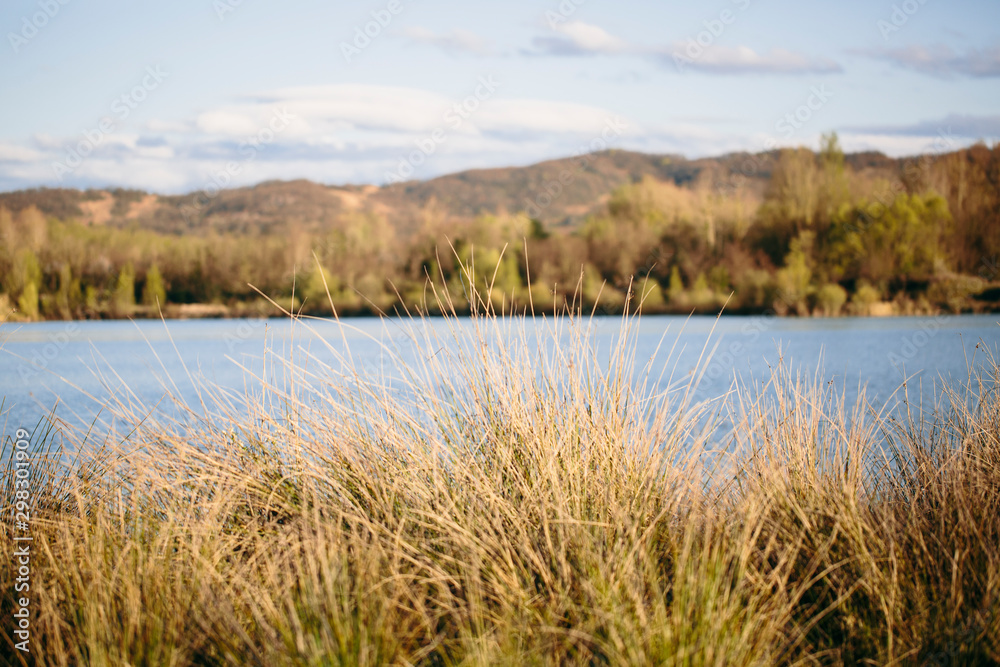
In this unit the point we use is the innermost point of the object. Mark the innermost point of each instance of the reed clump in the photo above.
(517, 496)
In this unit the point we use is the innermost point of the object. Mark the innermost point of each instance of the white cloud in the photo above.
(360, 106)
(540, 116)
(170, 126)
(15, 153)
(226, 122)
(455, 41)
(742, 59)
(941, 60)
(575, 38)
(579, 38)
(44, 140)
(155, 152)
(339, 133)
(357, 133)
(953, 125)
(890, 144)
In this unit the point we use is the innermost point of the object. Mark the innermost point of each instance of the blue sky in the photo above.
(178, 96)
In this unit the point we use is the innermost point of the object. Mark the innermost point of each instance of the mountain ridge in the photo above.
(559, 193)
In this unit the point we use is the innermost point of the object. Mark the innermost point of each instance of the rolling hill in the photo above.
(559, 193)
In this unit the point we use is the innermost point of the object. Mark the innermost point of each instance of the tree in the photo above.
(27, 303)
(830, 298)
(834, 188)
(790, 203)
(69, 297)
(319, 288)
(794, 279)
(24, 282)
(675, 290)
(34, 228)
(895, 244)
(123, 297)
(153, 292)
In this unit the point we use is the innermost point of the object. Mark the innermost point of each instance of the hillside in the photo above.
(794, 231)
(581, 186)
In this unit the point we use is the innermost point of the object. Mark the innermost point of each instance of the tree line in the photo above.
(823, 239)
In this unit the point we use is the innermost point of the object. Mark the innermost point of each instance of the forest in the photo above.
(819, 238)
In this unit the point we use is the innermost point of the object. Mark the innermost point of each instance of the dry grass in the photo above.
(513, 500)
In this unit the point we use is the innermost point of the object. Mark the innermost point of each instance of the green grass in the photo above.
(518, 503)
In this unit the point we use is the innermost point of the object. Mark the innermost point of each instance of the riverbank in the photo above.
(515, 501)
(986, 302)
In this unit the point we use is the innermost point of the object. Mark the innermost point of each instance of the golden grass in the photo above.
(518, 500)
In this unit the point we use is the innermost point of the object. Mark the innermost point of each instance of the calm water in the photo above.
(83, 363)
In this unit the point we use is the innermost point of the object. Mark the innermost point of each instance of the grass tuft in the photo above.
(517, 496)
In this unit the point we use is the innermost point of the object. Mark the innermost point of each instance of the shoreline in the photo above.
(209, 311)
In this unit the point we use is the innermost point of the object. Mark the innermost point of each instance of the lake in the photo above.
(83, 363)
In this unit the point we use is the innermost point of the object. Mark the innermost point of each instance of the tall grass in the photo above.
(513, 498)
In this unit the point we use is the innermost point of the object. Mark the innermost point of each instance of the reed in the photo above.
(516, 496)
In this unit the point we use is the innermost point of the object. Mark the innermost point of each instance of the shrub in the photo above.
(830, 298)
(865, 296)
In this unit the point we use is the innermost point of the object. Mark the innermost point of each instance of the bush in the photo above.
(648, 295)
(830, 298)
(953, 292)
(865, 296)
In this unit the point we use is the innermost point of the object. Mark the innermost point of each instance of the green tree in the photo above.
(649, 295)
(318, 282)
(153, 292)
(701, 294)
(25, 270)
(834, 189)
(795, 278)
(91, 303)
(865, 296)
(27, 303)
(830, 298)
(894, 244)
(24, 282)
(790, 203)
(123, 297)
(68, 298)
(675, 289)
(496, 274)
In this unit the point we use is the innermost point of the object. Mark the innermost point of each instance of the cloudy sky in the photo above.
(175, 96)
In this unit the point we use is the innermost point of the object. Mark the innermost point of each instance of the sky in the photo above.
(197, 94)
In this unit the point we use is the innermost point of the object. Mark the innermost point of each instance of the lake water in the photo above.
(83, 363)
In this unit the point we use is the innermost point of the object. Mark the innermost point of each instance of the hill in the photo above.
(557, 192)
(794, 231)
